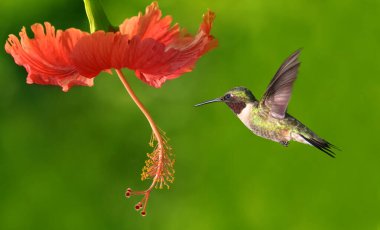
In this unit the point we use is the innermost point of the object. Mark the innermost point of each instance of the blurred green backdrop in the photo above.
(67, 158)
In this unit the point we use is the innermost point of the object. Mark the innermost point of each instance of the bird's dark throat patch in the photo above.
(237, 107)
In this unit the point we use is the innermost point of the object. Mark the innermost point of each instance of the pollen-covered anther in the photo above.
(160, 162)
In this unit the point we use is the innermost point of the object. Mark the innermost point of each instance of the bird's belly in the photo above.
(274, 135)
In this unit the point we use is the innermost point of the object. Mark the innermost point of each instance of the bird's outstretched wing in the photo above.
(278, 93)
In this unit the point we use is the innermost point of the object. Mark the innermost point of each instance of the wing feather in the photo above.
(278, 93)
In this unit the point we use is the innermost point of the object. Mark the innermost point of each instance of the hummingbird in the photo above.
(268, 117)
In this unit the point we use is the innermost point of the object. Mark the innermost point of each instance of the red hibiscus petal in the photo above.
(101, 51)
(151, 25)
(92, 54)
(46, 57)
(188, 50)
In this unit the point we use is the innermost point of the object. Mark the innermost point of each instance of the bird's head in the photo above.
(236, 99)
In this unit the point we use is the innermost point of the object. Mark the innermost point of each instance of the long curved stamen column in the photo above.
(159, 166)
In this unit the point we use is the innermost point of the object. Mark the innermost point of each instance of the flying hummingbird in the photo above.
(268, 117)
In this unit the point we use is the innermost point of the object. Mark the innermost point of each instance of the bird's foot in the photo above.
(284, 143)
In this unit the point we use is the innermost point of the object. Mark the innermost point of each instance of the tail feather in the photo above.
(321, 144)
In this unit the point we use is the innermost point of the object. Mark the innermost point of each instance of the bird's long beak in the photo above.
(210, 101)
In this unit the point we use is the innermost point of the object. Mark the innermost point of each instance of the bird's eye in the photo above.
(227, 96)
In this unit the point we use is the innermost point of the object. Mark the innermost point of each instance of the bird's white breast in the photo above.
(245, 114)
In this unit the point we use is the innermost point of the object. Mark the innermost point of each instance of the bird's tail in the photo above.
(320, 144)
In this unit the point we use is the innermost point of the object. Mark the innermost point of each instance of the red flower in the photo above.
(146, 44)
(46, 57)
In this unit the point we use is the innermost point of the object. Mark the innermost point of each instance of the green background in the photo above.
(67, 158)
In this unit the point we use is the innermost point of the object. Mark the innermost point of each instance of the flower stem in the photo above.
(97, 17)
(160, 147)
